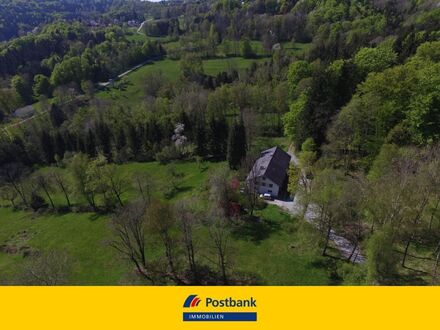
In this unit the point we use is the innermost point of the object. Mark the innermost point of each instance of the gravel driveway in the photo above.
(295, 208)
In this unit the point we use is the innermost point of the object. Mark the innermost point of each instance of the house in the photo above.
(269, 173)
(25, 112)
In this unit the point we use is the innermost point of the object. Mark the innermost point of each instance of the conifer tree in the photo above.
(236, 144)
(133, 140)
(200, 138)
(60, 145)
(47, 146)
(218, 137)
(57, 116)
(121, 141)
(90, 144)
(104, 135)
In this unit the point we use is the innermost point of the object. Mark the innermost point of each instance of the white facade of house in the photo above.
(265, 186)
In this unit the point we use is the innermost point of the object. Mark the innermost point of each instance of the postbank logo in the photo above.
(192, 301)
(220, 309)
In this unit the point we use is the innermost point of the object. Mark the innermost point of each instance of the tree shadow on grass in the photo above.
(255, 229)
(95, 216)
(330, 265)
(412, 279)
(334, 253)
(174, 192)
(123, 84)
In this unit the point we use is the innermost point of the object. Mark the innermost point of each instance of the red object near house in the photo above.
(234, 184)
(234, 209)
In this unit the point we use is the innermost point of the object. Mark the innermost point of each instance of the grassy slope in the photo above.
(214, 66)
(262, 249)
(295, 48)
(191, 181)
(82, 236)
(132, 93)
(270, 249)
(257, 46)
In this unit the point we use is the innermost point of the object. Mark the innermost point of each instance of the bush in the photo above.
(353, 274)
(260, 204)
(246, 49)
(168, 154)
(169, 191)
(381, 259)
(307, 238)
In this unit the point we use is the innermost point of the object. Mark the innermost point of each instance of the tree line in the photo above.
(70, 54)
(368, 166)
(22, 17)
(392, 211)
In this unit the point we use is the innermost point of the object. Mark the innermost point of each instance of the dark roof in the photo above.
(273, 164)
(24, 112)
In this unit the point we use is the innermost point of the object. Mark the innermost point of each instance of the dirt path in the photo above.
(295, 208)
(34, 116)
(101, 84)
(123, 74)
(139, 30)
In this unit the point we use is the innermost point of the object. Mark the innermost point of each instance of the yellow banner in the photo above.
(274, 307)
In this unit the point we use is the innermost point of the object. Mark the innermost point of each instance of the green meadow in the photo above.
(273, 250)
(265, 250)
(130, 91)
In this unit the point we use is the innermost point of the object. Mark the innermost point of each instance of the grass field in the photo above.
(82, 236)
(234, 47)
(85, 236)
(192, 178)
(132, 91)
(271, 250)
(263, 249)
(295, 48)
(279, 253)
(134, 36)
(214, 66)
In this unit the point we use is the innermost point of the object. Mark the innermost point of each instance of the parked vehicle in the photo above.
(267, 197)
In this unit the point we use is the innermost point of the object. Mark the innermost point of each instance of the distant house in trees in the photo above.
(25, 112)
(269, 173)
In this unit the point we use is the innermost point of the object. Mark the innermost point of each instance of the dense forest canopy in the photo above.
(21, 17)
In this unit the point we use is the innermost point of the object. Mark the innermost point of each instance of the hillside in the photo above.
(18, 17)
(130, 162)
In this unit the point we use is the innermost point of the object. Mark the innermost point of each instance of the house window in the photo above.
(263, 184)
(270, 191)
(270, 185)
(264, 178)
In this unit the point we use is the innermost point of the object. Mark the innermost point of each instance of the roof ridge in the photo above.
(271, 158)
(271, 164)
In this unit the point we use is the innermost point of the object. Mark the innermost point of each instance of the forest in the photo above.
(21, 17)
(139, 176)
